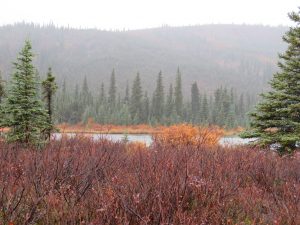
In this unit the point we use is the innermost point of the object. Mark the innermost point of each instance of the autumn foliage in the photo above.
(92, 127)
(79, 181)
(188, 135)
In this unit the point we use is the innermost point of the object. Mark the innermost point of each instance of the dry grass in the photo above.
(108, 129)
(95, 128)
(78, 181)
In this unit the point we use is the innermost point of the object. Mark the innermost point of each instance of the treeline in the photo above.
(166, 105)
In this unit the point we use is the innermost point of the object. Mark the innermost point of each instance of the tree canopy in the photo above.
(276, 119)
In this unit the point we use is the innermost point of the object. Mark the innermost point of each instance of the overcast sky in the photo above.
(136, 14)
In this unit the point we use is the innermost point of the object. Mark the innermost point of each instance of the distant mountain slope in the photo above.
(242, 56)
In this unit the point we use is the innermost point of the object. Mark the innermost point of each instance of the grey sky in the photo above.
(135, 14)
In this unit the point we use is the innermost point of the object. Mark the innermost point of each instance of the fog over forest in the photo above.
(240, 56)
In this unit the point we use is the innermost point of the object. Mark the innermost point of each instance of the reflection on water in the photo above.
(147, 139)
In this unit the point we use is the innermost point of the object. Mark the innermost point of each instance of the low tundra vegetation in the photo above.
(79, 181)
(188, 135)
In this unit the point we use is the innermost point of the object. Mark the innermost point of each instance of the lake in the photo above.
(147, 139)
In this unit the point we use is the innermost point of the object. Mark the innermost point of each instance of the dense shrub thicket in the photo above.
(181, 135)
(78, 181)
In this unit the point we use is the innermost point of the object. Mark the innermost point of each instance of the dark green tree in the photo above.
(195, 104)
(2, 91)
(146, 109)
(170, 102)
(178, 94)
(23, 111)
(277, 117)
(102, 94)
(49, 88)
(158, 100)
(75, 110)
(204, 110)
(126, 98)
(112, 93)
(136, 100)
(85, 98)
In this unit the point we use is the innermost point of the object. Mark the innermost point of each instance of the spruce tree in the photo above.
(158, 100)
(75, 111)
(136, 100)
(2, 91)
(102, 94)
(146, 108)
(126, 98)
(49, 89)
(195, 104)
(85, 98)
(24, 113)
(241, 109)
(170, 102)
(112, 91)
(63, 103)
(178, 94)
(277, 117)
(204, 110)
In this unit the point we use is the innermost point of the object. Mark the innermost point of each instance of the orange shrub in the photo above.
(187, 135)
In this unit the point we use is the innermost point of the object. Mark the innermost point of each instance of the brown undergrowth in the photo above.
(78, 181)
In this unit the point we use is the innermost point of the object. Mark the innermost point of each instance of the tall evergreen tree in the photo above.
(136, 100)
(23, 111)
(204, 110)
(49, 88)
(170, 102)
(178, 94)
(75, 110)
(102, 94)
(241, 108)
(85, 95)
(2, 92)
(62, 103)
(112, 91)
(277, 117)
(195, 104)
(146, 108)
(158, 100)
(126, 98)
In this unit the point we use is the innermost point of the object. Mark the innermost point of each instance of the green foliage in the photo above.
(2, 91)
(170, 102)
(158, 100)
(178, 94)
(195, 103)
(136, 107)
(23, 111)
(49, 88)
(277, 117)
(225, 109)
(112, 91)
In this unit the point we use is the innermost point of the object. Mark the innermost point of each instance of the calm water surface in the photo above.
(147, 139)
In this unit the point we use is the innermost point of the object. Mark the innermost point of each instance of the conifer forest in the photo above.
(167, 104)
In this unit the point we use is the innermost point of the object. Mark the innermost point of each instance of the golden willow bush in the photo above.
(188, 135)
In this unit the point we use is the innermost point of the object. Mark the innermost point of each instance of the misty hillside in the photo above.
(241, 56)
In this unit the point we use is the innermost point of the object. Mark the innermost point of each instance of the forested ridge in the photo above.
(208, 74)
(238, 56)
